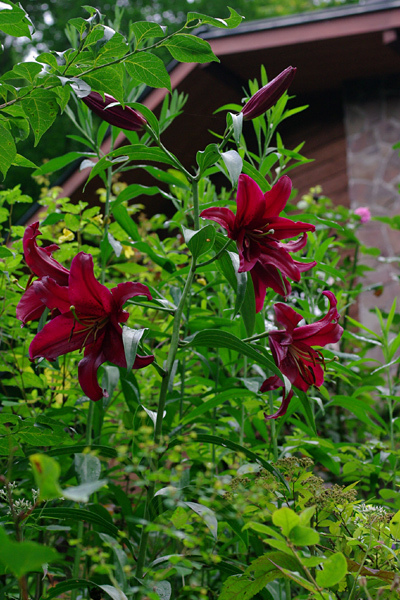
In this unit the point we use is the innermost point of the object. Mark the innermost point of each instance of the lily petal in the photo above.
(222, 216)
(287, 316)
(61, 335)
(39, 260)
(283, 407)
(264, 276)
(276, 198)
(250, 203)
(51, 294)
(30, 307)
(87, 371)
(85, 292)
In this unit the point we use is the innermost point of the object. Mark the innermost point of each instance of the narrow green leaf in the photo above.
(134, 152)
(306, 404)
(77, 514)
(222, 339)
(61, 161)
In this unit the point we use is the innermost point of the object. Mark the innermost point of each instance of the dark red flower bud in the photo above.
(268, 95)
(125, 118)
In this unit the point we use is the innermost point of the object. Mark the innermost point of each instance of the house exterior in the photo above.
(348, 72)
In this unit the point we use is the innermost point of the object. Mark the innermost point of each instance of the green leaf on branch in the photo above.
(149, 69)
(13, 20)
(27, 70)
(41, 109)
(188, 48)
(200, 241)
(23, 557)
(144, 29)
(208, 157)
(301, 535)
(108, 80)
(8, 150)
(335, 568)
(261, 571)
(195, 19)
(286, 519)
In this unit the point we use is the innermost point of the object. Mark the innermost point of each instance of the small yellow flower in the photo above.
(67, 236)
(201, 281)
(98, 219)
(128, 251)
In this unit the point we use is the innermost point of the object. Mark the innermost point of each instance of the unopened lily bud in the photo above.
(262, 100)
(125, 118)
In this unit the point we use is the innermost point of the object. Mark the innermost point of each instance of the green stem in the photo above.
(196, 209)
(106, 218)
(273, 429)
(78, 551)
(160, 415)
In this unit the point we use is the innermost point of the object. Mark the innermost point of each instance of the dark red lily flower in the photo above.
(293, 352)
(259, 231)
(268, 95)
(42, 264)
(90, 317)
(125, 118)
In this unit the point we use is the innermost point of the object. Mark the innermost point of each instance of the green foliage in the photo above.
(174, 485)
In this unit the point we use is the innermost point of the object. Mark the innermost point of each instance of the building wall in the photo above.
(372, 123)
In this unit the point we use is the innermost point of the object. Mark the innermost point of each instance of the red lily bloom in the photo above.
(268, 95)
(258, 231)
(293, 353)
(125, 118)
(42, 264)
(90, 317)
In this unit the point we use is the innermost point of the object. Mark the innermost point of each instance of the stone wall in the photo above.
(372, 122)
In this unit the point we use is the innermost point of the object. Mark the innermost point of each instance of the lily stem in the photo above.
(196, 210)
(78, 551)
(160, 415)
